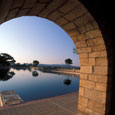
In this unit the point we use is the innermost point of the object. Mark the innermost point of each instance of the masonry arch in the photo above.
(91, 41)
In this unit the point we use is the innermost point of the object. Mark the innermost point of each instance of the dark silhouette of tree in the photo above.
(6, 59)
(68, 62)
(35, 73)
(67, 81)
(5, 74)
(35, 62)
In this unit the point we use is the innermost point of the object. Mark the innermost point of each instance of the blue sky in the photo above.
(32, 38)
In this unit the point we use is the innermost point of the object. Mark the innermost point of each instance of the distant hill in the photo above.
(59, 66)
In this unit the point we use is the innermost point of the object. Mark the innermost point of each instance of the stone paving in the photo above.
(59, 105)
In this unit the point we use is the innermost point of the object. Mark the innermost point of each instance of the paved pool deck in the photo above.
(59, 105)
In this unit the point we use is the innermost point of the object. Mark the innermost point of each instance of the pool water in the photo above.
(32, 85)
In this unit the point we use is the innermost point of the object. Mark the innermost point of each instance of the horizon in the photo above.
(34, 38)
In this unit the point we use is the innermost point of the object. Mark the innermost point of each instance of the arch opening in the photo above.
(89, 39)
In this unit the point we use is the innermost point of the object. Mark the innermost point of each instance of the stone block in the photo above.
(55, 15)
(17, 4)
(84, 50)
(84, 61)
(81, 91)
(86, 28)
(101, 61)
(61, 21)
(83, 55)
(83, 20)
(83, 76)
(95, 95)
(44, 1)
(86, 69)
(12, 14)
(98, 54)
(69, 5)
(81, 44)
(69, 26)
(23, 12)
(87, 84)
(100, 70)
(73, 33)
(101, 87)
(51, 7)
(36, 9)
(80, 37)
(96, 106)
(75, 13)
(81, 108)
(93, 34)
(95, 41)
(83, 101)
(4, 9)
(91, 61)
(98, 48)
(98, 78)
(28, 4)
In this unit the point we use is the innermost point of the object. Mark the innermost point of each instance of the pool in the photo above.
(34, 84)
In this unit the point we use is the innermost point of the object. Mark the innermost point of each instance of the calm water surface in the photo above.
(30, 86)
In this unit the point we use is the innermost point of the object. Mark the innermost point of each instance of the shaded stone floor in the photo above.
(59, 105)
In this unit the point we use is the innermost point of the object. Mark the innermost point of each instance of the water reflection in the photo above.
(6, 74)
(35, 74)
(67, 81)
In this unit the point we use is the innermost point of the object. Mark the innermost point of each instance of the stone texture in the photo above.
(84, 50)
(83, 101)
(61, 21)
(83, 76)
(28, 3)
(17, 4)
(84, 19)
(96, 106)
(95, 41)
(101, 70)
(101, 87)
(101, 61)
(69, 26)
(12, 14)
(4, 9)
(87, 84)
(93, 34)
(95, 95)
(98, 78)
(83, 55)
(86, 69)
(69, 5)
(51, 7)
(55, 15)
(75, 13)
(81, 44)
(81, 91)
(98, 54)
(36, 9)
(98, 48)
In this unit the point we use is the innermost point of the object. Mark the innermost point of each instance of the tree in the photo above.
(35, 62)
(74, 50)
(68, 61)
(6, 59)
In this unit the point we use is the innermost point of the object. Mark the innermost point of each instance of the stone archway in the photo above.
(77, 21)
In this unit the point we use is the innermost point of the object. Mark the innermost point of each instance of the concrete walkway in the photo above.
(59, 105)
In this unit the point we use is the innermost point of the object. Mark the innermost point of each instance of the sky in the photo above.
(31, 38)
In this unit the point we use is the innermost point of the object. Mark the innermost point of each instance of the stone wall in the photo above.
(76, 20)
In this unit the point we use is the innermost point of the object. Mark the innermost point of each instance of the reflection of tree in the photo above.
(5, 74)
(67, 81)
(35, 74)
